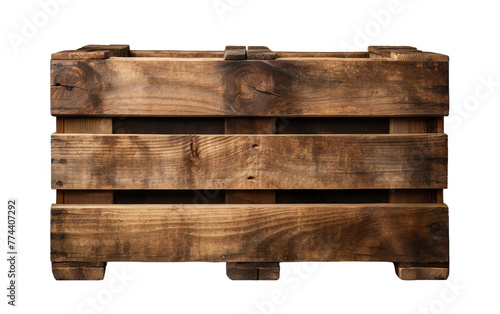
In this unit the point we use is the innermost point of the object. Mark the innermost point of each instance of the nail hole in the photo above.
(250, 178)
(255, 146)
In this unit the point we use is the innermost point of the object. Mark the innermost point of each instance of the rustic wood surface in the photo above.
(418, 271)
(294, 54)
(260, 53)
(78, 270)
(391, 185)
(235, 53)
(281, 87)
(250, 232)
(406, 53)
(422, 271)
(93, 52)
(251, 271)
(248, 161)
(220, 54)
(91, 270)
(176, 54)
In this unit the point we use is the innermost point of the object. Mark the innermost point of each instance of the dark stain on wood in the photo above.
(77, 85)
(255, 88)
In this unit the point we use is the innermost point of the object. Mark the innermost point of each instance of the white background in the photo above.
(466, 31)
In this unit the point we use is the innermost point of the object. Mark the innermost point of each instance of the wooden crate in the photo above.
(249, 157)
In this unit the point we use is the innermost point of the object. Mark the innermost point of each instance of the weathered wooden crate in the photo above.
(249, 157)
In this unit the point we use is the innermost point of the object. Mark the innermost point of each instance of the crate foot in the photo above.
(422, 271)
(78, 270)
(253, 271)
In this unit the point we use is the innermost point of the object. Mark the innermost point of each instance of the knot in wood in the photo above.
(253, 87)
(77, 80)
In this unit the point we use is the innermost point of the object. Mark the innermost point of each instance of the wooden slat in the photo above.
(235, 53)
(282, 87)
(87, 197)
(382, 49)
(251, 271)
(220, 54)
(413, 271)
(79, 271)
(250, 233)
(88, 125)
(418, 56)
(175, 54)
(248, 161)
(293, 54)
(406, 53)
(260, 53)
(82, 270)
(93, 52)
(422, 271)
(416, 126)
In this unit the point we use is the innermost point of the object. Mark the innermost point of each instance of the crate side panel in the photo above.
(247, 162)
(283, 87)
(250, 233)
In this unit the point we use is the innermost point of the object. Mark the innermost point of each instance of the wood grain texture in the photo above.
(251, 271)
(407, 53)
(422, 271)
(382, 49)
(235, 53)
(260, 53)
(176, 54)
(220, 54)
(87, 197)
(418, 271)
(250, 233)
(248, 161)
(93, 52)
(215, 87)
(416, 126)
(82, 270)
(294, 54)
(79, 270)
(88, 125)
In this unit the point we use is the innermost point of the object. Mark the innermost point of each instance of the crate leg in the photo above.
(78, 270)
(253, 271)
(422, 271)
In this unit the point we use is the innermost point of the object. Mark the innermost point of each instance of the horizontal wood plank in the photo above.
(249, 161)
(294, 54)
(176, 54)
(407, 53)
(93, 52)
(220, 54)
(282, 87)
(250, 233)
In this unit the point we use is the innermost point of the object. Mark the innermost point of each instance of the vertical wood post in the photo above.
(85, 270)
(250, 271)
